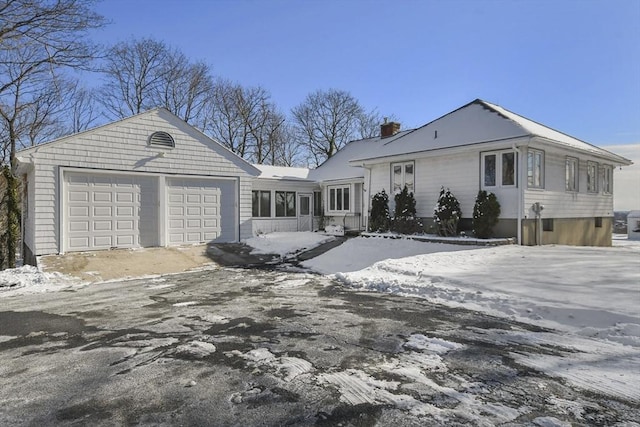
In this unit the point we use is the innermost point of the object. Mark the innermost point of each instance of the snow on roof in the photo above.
(535, 128)
(337, 167)
(474, 123)
(282, 172)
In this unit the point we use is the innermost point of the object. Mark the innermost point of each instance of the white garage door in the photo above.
(200, 211)
(110, 211)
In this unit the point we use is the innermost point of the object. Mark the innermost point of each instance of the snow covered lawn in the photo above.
(589, 295)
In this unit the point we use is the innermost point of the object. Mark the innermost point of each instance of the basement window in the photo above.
(161, 139)
(547, 224)
(598, 222)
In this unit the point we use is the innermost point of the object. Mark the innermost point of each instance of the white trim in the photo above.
(499, 166)
(327, 207)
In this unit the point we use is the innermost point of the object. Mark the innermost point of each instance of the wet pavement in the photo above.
(249, 347)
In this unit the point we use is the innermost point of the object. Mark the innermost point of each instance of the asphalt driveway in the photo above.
(245, 347)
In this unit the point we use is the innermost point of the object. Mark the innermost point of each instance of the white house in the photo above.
(154, 180)
(148, 180)
(552, 188)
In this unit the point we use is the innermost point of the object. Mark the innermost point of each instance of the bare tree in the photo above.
(38, 39)
(184, 88)
(225, 122)
(82, 111)
(246, 121)
(146, 73)
(325, 121)
(133, 72)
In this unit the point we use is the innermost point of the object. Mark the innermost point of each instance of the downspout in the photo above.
(368, 197)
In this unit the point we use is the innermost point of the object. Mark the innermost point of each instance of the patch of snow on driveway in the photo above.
(286, 243)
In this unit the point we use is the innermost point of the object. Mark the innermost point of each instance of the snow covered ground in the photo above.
(587, 298)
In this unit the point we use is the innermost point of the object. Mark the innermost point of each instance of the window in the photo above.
(547, 224)
(317, 203)
(607, 179)
(285, 203)
(261, 203)
(161, 139)
(598, 222)
(508, 169)
(592, 177)
(571, 174)
(402, 176)
(535, 169)
(339, 199)
(499, 169)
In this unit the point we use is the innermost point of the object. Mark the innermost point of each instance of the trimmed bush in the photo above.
(485, 214)
(379, 217)
(404, 218)
(447, 213)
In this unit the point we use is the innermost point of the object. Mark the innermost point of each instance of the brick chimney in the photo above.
(388, 129)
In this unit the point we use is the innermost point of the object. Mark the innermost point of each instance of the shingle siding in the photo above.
(122, 146)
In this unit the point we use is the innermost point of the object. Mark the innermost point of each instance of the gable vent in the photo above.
(162, 139)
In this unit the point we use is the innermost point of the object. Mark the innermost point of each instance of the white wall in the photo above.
(559, 203)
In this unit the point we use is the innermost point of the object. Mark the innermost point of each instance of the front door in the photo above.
(305, 213)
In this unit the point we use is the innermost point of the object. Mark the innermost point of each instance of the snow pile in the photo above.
(286, 243)
(28, 279)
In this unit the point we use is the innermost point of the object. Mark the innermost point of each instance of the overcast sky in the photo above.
(571, 65)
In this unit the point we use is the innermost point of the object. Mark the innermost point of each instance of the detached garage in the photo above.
(148, 180)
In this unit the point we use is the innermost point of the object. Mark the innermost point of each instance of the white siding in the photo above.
(460, 173)
(559, 203)
(276, 224)
(122, 146)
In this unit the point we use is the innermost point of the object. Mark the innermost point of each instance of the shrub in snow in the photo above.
(379, 217)
(404, 217)
(485, 214)
(447, 213)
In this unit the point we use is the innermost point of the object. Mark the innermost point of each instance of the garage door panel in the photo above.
(102, 196)
(79, 196)
(102, 225)
(106, 210)
(194, 211)
(197, 202)
(126, 197)
(176, 198)
(79, 211)
(102, 211)
(78, 243)
(125, 210)
(79, 226)
(103, 241)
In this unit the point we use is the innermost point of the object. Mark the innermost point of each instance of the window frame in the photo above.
(336, 197)
(498, 169)
(533, 166)
(607, 179)
(575, 187)
(411, 186)
(317, 203)
(592, 177)
(260, 204)
(286, 210)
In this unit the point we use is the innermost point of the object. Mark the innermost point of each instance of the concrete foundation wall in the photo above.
(570, 231)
